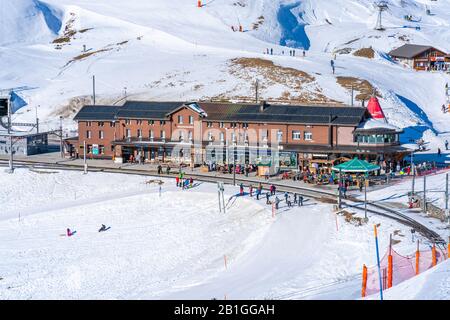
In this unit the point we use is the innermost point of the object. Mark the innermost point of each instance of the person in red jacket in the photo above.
(178, 181)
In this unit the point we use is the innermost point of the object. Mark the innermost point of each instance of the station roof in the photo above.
(97, 113)
(229, 112)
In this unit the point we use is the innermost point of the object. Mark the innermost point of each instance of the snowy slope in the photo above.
(173, 245)
(172, 50)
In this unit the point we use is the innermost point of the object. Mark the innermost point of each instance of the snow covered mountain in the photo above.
(173, 50)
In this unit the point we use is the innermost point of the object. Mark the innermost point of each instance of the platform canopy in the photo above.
(356, 165)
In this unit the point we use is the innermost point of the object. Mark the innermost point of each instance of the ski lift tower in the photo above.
(381, 6)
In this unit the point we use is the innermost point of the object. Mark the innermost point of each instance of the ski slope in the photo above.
(173, 245)
(172, 50)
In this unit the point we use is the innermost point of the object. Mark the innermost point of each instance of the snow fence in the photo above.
(395, 268)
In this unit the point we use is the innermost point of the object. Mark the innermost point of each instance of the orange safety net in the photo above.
(403, 268)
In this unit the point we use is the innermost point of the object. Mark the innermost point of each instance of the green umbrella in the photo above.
(356, 165)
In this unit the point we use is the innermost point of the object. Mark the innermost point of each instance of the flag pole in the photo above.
(378, 262)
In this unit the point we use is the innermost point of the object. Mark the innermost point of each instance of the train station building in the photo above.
(221, 133)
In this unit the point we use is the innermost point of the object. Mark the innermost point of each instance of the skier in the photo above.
(103, 228)
(241, 189)
(178, 181)
(267, 198)
(304, 53)
(446, 144)
(168, 170)
(160, 169)
(70, 233)
(439, 152)
(251, 190)
(443, 108)
(286, 196)
(271, 51)
(295, 198)
(332, 65)
(293, 53)
(191, 182)
(277, 203)
(300, 201)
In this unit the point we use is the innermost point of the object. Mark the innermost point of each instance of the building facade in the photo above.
(223, 133)
(423, 58)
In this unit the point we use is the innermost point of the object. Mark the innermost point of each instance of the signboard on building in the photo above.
(3, 107)
(288, 160)
(95, 150)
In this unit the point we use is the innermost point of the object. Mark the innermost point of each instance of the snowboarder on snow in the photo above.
(70, 233)
(439, 152)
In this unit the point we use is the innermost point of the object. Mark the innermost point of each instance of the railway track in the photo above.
(319, 195)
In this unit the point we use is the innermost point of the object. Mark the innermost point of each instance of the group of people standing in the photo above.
(184, 182)
(297, 200)
(292, 52)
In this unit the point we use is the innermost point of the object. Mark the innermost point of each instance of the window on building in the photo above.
(88, 134)
(191, 120)
(210, 136)
(101, 135)
(190, 135)
(88, 124)
(139, 122)
(101, 124)
(151, 122)
(128, 121)
(151, 135)
(221, 125)
(233, 137)
(139, 133)
(296, 135)
(181, 136)
(209, 124)
(112, 124)
(308, 136)
(222, 137)
(101, 149)
(163, 134)
(128, 133)
(89, 147)
(162, 122)
(264, 134)
(245, 125)
(180, 119)
(280, 136)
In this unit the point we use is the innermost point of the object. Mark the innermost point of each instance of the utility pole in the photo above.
(61, 144)
(37, 120)
(413, 169)
(340, 190)
(84, 158)
(93, 89)
(425, 194)
(353, 92)
(365, 199)
(256, 91)
(234, 166)
(11, 160)
(446, 191)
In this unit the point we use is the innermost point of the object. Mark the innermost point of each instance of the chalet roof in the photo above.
(410, 51)
(96, 113)
(283, 113)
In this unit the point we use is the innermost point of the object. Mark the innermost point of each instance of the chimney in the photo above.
(262, 106)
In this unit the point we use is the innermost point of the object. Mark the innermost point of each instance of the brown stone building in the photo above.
(224, 132)
(419, 57)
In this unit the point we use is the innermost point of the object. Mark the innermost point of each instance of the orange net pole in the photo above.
(433, 252)
(199, 3)
(390, 271)
(417, 262)
(364, 282)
